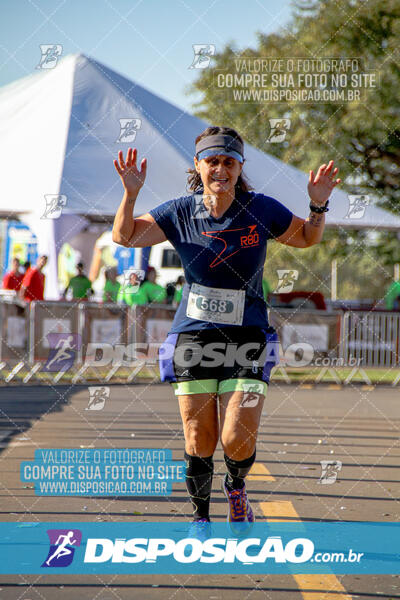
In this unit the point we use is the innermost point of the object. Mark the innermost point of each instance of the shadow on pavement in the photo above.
(21, 406)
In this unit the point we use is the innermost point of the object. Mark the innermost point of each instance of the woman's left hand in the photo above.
(320, 186)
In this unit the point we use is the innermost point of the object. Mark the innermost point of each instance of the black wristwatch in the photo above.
(319, 209)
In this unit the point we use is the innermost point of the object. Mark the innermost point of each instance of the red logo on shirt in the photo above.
(245, 236)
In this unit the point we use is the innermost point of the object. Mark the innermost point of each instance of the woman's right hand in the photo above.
(132, 179)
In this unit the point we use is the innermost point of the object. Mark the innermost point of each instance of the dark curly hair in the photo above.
(194, 182)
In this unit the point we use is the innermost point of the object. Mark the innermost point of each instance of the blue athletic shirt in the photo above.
(228, 252)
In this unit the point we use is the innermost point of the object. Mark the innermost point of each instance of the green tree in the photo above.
(363, 137)
(361, 272)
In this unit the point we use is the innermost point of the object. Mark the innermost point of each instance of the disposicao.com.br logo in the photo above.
(191, 550)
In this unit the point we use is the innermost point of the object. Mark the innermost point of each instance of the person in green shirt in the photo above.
(111, 288)
(80, 285)
(154, 292)
(392, 298)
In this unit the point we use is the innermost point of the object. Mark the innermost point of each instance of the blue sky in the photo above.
(149, 41)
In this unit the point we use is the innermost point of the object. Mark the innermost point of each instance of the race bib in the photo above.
(215, 305)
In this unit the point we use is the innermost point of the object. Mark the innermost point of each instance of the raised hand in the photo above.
(320, 186)
(132, 179)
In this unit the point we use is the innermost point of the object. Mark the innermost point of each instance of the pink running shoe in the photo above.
(240, 514)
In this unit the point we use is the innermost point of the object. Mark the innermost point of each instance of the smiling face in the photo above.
(219, 174)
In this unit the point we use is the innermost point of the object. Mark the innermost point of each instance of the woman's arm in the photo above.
(128, 231)
(143, 231)
(303, 233)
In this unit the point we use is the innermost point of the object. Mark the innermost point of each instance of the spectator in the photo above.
(153, 291)
(178, 290)
(13, 279)
(80, 285)
(392, 298)
(32, 286)
(112, 286)
(170, 290)
(132, 293)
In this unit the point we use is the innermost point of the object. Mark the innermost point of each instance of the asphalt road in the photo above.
(300, 427)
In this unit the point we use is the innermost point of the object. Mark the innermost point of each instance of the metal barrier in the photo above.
(13, 332)
(152, 323)
(103, 323)
(335, 339)
(316, 328)
(371, 338)
(147, 326)
(49, 317)
(93, 322)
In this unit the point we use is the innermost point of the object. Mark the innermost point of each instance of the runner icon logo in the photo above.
(62, 547)
(279, 129)
(50, 55)
(357, 206)
(63, 351)
(202, 55)
(252, 394)
(330, 470)
(202, 205)
(97, 397)
(287, 279)
(54, 205)
(128, 130)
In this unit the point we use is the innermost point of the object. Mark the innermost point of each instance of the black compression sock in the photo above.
(237, 471)
(199, 474)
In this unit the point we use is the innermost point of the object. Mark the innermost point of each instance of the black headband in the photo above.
(220, 140)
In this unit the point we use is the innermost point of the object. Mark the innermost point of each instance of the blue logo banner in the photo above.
(175, 547)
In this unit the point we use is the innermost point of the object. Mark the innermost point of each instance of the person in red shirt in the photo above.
(13, 279)
(32, 286)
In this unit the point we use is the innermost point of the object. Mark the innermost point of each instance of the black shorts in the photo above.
(219, 353)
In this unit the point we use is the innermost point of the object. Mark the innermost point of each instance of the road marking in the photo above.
(259, 472)
(284, 511)
(324, 583)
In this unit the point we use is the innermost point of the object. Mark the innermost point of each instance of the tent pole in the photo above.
(334, 279)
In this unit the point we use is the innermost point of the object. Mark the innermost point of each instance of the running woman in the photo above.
(220, 338)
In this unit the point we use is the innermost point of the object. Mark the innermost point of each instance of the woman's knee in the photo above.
(200, 440)
(238, 448)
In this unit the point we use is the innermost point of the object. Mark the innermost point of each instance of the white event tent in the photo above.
(61, 130)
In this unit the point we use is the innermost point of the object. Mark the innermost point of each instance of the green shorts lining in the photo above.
(212, 386)
(243, 385)
(196, 386)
